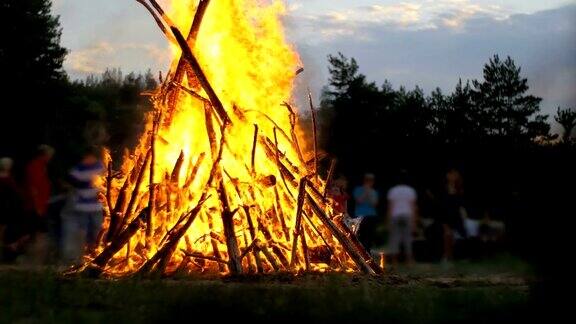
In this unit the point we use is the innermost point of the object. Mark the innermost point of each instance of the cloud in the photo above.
(96, 58)
(440, 41)
(421, 15)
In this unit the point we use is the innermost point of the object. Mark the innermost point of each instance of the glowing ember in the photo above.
(219, 182)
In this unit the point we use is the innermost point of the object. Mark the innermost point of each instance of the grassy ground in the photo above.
(484, 292)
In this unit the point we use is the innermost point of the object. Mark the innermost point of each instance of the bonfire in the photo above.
(223, 180)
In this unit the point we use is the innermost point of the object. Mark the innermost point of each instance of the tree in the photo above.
(504, 109)
(31, 61)
(567, 119)
(343, 72)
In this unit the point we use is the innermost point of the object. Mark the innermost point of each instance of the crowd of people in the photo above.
(42, 221)
(405, 224)
(45, 224)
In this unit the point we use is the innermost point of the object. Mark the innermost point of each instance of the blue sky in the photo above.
(426, 42)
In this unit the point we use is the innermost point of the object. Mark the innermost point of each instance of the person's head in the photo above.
(45, 152)
(369, 179)
(6, 164)
(454, 182)
(341, 182)
(90, 156)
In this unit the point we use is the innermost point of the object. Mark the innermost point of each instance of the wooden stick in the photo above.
(280, 215)
(174, 177)
(234, 261)
(317, 194)
(109, 189)
(189, 56)
(331, 171)
(269, 257)
(354, 239)
(254, 142)
(204, 257)
(317, 232)
(192, 36)
(118, 212)
(305, 248)
(214, 242)
(293, 121)
(97, 265)
(165, 252)
(189, 91)
(152, 195)
(314, 130)
(344, 240)
(195, 169)
(252, 231)
(210, 130)
(129, 209)
(278, 252)
(181, 67)
(249, 249)
(159, 21)
(298, 217)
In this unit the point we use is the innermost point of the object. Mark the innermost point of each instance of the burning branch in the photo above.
(314, 130)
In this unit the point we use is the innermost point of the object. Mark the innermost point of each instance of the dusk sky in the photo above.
(426, 42)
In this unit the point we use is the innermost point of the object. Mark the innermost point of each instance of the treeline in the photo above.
(40, 104)
(491, 129)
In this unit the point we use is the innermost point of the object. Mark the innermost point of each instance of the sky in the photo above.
(430, 43)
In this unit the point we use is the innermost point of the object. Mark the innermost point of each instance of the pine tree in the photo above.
(504, 108)
(567, 119)
(31, 60)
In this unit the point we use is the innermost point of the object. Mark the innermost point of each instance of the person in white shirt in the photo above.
(403, 217)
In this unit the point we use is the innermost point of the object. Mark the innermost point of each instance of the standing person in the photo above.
(12, 236)
(37, 190)
(338, 193)
(453, 212)
(403, 218)
(83, 215)
(37, 182)
(366, 198)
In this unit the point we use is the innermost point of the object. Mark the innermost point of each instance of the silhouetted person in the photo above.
(83, 217)
(402, 217)
(37, 190)
(453, 212)
(340, 196)
(11, 233)
(37, 185)
(366, 198)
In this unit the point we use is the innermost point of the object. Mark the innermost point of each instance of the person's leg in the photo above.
(95, 225)
(448, 243)
(365, 233)
(407, 239)
(394, 242)
(2, 230)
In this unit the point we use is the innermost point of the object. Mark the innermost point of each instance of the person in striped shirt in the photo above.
(84, 216)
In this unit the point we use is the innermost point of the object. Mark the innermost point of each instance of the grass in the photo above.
(43, 296)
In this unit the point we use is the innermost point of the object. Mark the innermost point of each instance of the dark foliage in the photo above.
(567, 119)
(33, 80)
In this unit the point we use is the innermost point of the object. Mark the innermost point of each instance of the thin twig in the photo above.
(314, 131)
(202, 256)
(254, 142)
(329, 176)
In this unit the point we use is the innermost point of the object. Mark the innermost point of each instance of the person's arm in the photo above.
(416, 216)
(359, 197)
(374, 198)
(416, 210)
